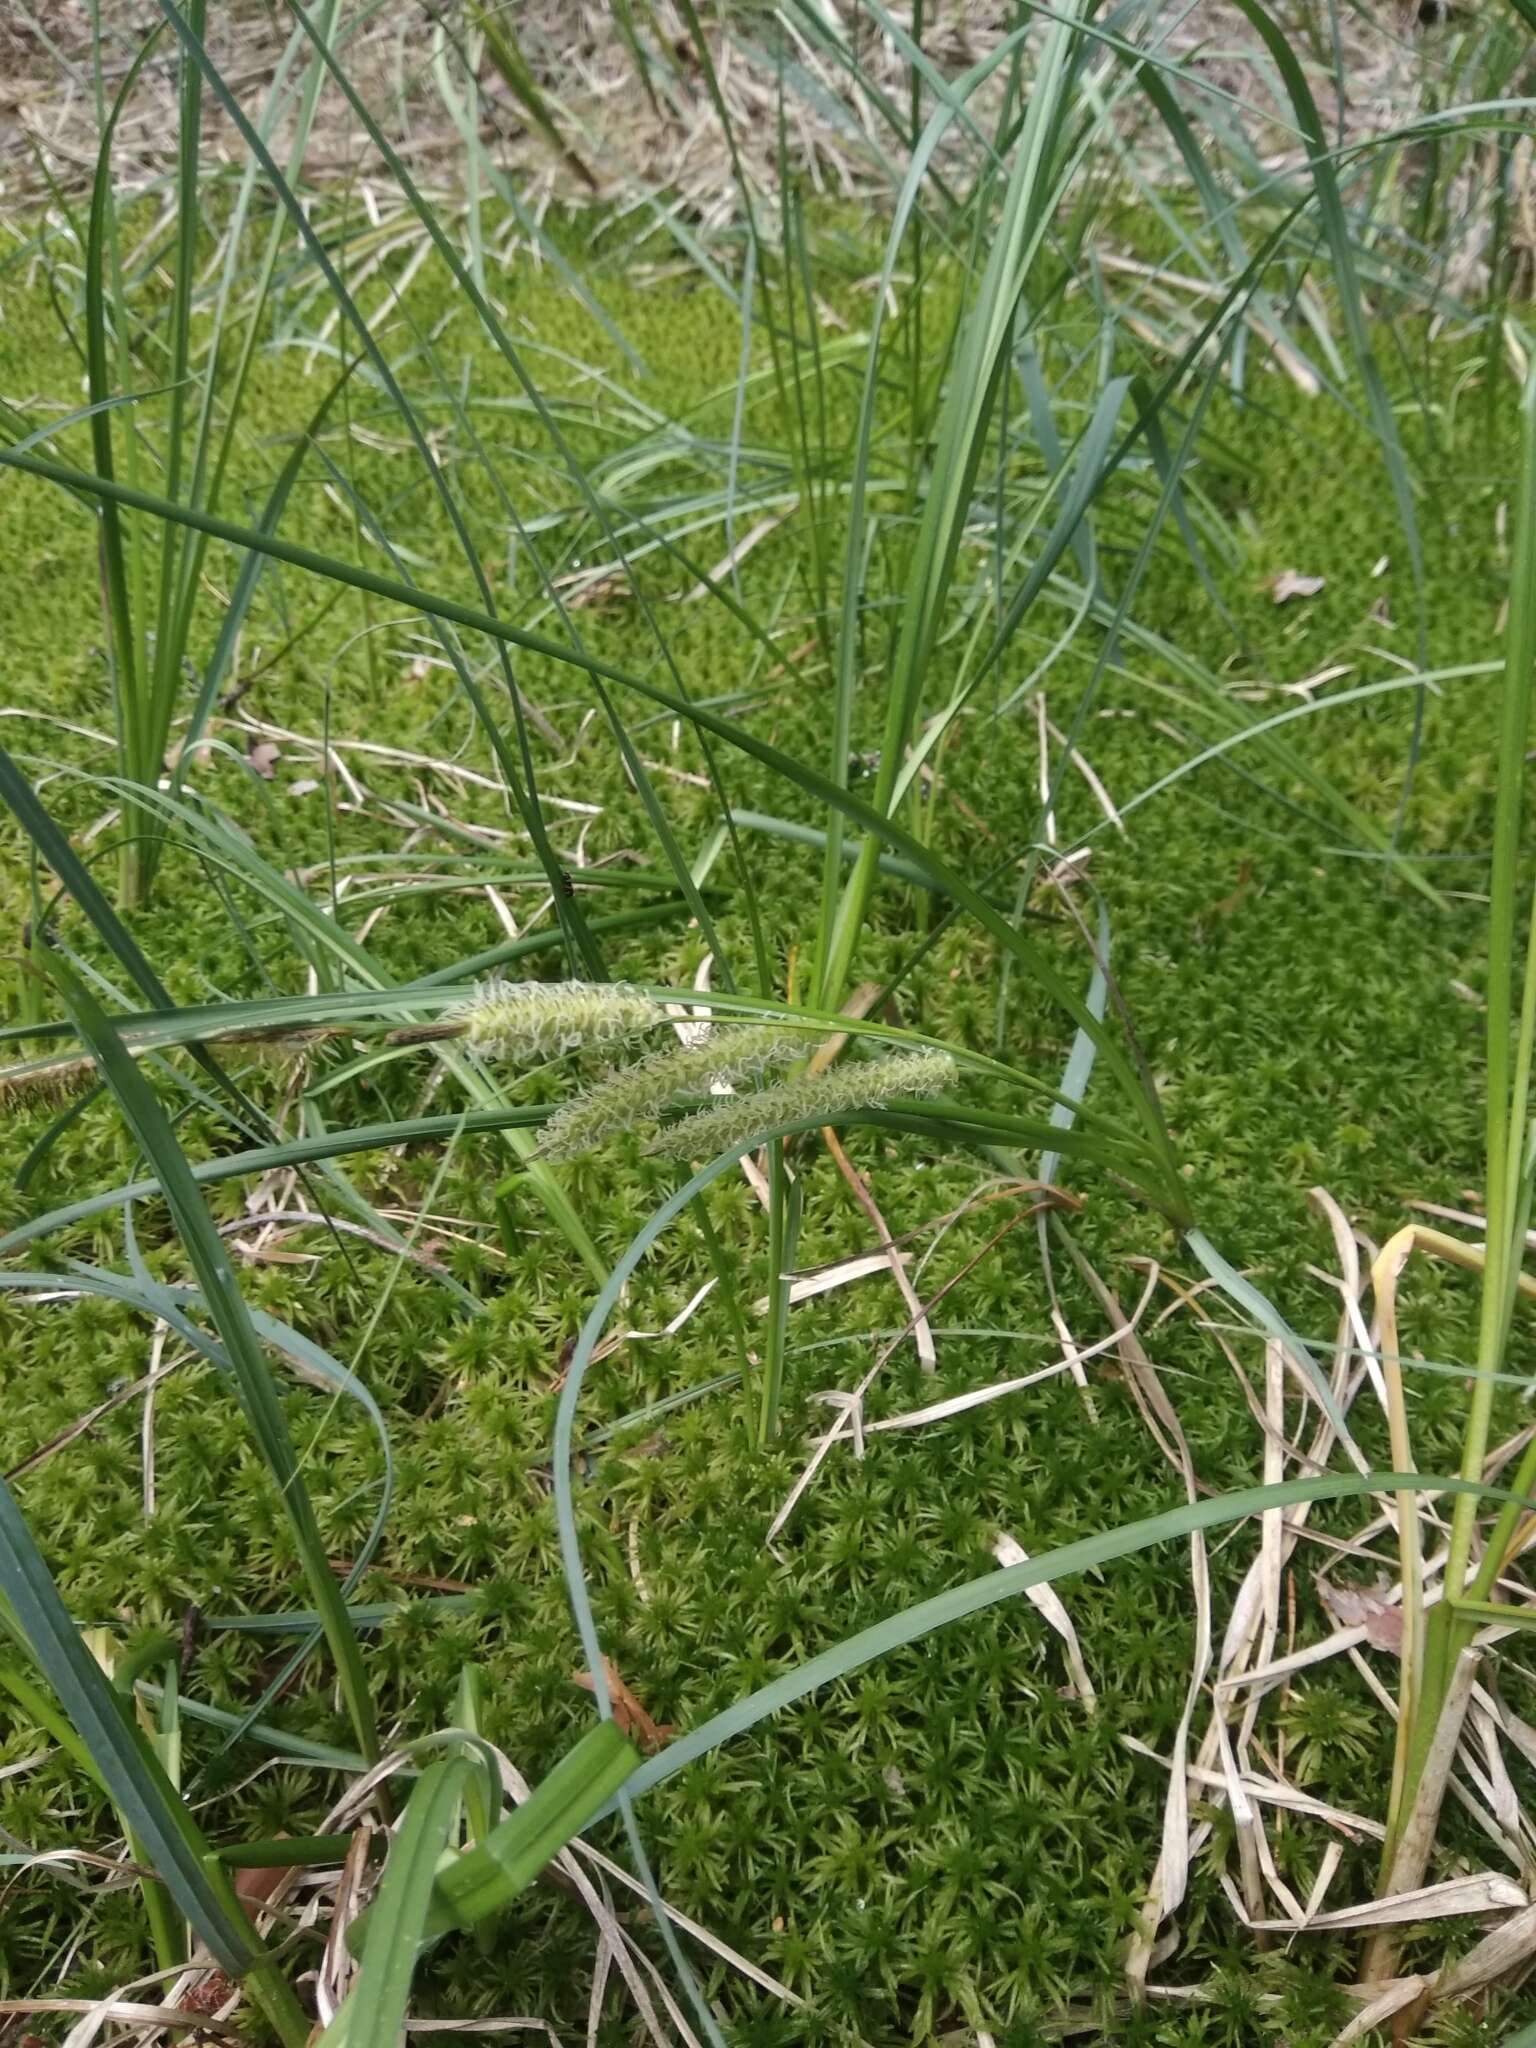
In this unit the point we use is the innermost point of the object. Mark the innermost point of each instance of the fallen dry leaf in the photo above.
(632, 1718)
(254, 1887)
(1228, 904)
(209, 1992)
(1354, 1607)
(1291, 583)
(1009, 1551)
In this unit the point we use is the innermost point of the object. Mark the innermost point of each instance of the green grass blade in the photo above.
(239, 605)
(373, 2014)
(128, 707)
(307, 921)
(1079, 1067)
(165, 680)
(60, 856)
(502, 48)
(210, 1262)
(634, 764)
(1088, 1554)
(120, 1758)
(1507, 1085)
(287, 1852)
(980, 356)
(1256, 1304)
(518, 774)
(213, 447)
(490, 1875)
(334, 1144)
(521, 780)
(784, 1200)
(496, 332)
(856, 554)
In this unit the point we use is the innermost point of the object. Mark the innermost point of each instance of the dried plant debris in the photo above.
(623, 101)
(1265, 1709)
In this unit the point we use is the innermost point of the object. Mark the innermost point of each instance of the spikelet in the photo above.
(627, 1096)
(45, 1082)
(288, 1056)
(534, 1020)
(860, 1084)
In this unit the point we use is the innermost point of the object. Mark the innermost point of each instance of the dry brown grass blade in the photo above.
(1247, 1667)
(1417, 1835)
(1269, 1791)
(1327, 1870)
(1076, 1358)
(647, 1735)
(1386, 1270)
(512, 2025)
(849, 1421)
(733, 556)
(1385, 2003)
(1245, 1829)
(124, 2012)
(1170, 1879)
(92, 1416)
(1048, 1602)
(616, 139)
(1272, 1524)
(922, 1333)
(1072, 1360)
(1497, 1956)
(828, 1279)
(1486, 1891)
(858, 1006)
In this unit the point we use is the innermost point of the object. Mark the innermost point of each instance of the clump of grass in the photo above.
(963, 431)
(629, 1096)
(1438, 1652)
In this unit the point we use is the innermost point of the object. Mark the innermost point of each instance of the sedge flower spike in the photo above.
(818, 1098)
(634, 1095)
(535, 1020)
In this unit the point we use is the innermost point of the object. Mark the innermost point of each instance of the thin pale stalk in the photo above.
(1410, 1845)
(1507, 1194)
(166, 677)
(1507, 1069)
(783, 1236)
(1385, 1272)
(117, 582)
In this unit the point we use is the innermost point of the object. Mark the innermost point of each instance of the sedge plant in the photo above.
(969, 414)
(1438, 1638)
